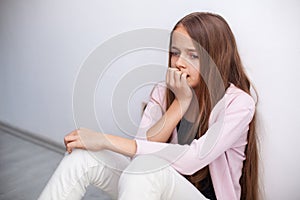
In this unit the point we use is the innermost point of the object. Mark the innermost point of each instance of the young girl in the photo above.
(197, 131)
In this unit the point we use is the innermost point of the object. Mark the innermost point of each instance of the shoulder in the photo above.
(237, 98)
(158, 94)
(159, 91)
(159, 88)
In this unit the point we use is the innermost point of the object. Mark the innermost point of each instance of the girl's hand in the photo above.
(84, 138)
(177, 83)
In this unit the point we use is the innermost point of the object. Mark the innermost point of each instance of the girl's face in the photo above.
(184, 56)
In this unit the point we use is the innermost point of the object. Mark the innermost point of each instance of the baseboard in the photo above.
(32, 137)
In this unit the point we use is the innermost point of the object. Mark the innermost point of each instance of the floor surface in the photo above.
(26, 167)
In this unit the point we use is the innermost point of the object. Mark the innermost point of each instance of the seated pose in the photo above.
(197, 136)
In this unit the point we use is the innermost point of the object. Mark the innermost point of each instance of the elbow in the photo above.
(156, 138)
(150, 139)
(185, 170)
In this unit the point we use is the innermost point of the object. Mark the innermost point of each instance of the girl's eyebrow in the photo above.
(194, 50)
(187, 49)
(174, 48)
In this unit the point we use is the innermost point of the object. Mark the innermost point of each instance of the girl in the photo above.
(199, 130)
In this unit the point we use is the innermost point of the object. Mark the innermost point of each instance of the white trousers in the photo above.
(145, 177)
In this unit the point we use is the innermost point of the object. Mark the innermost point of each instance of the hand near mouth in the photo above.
(177, 83)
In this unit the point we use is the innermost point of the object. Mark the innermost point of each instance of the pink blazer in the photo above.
(222, 147)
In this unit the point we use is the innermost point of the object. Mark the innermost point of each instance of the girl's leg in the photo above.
(149, 177)
(81, 168)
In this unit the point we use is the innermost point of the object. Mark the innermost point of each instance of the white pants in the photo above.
(145, 177)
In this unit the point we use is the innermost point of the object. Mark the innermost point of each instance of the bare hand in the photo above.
(84, 138)
(177, 83)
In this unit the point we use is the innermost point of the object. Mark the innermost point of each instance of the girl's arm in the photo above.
(88, 139)
(163, 128)
(187, 159)
(84, 138)
(230, 129)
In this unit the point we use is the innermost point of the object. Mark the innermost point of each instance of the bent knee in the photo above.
(145, 174)
(150, 168)
(147, 164)
(79, 157)
(103, 158)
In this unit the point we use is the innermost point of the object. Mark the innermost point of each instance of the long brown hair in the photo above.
(220, 65)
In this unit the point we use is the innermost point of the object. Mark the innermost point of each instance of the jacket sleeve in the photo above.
(231, 124)
(153, 111)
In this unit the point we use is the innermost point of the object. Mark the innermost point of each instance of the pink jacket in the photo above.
(222, 147)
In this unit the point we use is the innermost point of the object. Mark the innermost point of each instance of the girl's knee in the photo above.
(79, 161)
(146, 175)
(147, 164)
(144, 170)
(77, 156)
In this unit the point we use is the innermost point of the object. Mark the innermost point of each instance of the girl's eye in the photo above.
(194, 56)
(174, 53)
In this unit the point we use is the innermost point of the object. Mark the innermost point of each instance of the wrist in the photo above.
(120, 145)
(183, 105)
(107, 144)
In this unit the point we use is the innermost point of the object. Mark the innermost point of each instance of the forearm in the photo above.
(120, 145)
(163, 129)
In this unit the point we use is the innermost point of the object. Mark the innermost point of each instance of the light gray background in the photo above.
(44, 43)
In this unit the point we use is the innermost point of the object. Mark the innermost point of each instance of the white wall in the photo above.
(44, 43)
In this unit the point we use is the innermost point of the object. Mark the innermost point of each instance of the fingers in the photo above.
(83, 139)
(170, 76)
(74, 144)
(67, 137)
(183, 77)
(175, 77)
(72, 138)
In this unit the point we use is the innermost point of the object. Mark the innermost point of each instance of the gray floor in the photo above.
(26, 167)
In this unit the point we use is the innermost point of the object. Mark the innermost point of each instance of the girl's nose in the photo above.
(180, 63)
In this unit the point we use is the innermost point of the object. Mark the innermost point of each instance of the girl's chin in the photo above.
(192, 84)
